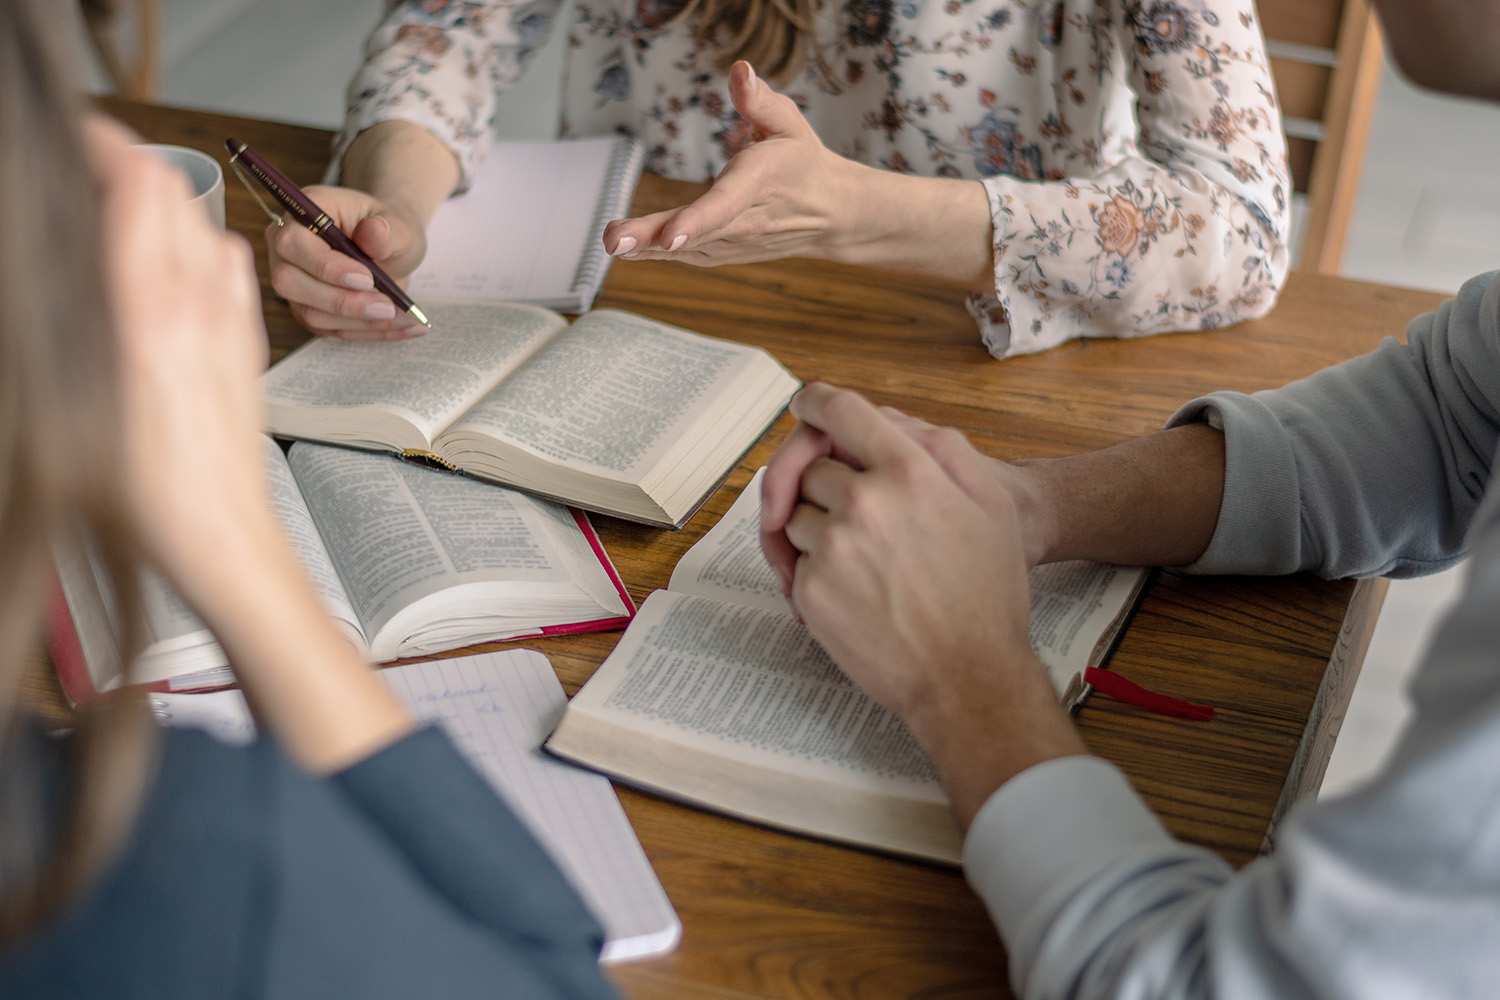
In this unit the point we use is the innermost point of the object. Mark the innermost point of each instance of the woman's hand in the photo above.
(397, 175)
(788, 195)
(186, 307)
(784, 195)
(192, 345)
(332, 294)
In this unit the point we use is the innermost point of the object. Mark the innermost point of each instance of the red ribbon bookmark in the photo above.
(1132, 693)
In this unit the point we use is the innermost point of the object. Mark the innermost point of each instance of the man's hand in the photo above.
(911, 572)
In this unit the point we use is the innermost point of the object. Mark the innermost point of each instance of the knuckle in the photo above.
(861, 503)
(347, 304)
(948, 442)
(329, 269)
(840, 404)
(282, 280)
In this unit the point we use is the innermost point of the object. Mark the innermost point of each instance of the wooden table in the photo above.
(771, 915)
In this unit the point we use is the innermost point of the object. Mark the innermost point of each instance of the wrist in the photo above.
(1038, 510)
(1002, 720)
(406, 168)
(932, 227)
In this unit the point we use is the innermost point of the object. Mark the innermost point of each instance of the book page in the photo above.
(611, 395)
(497, 708)
(426, 381)
(753, 685)
(727, 563)
(296, 520)
(401, 536)
(1073, 606)
(524, 226)
(179, 644)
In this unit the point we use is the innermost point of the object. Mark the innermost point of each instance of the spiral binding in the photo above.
(625, 165)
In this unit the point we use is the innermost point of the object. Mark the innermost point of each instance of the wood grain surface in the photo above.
(767, 914)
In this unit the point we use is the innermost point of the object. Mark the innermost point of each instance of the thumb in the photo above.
(771, 113)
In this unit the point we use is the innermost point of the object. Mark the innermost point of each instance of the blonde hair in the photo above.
(774, 36)
(60, 465)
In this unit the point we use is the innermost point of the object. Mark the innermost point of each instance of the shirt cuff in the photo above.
(1047, 830)
(1259, 529)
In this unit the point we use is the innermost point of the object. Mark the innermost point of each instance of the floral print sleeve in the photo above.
(442, 64)
(1183, 228)
(1131, 149)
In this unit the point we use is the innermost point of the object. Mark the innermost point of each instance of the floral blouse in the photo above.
(1132, 149)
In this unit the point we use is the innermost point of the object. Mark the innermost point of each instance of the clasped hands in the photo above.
(903, 550)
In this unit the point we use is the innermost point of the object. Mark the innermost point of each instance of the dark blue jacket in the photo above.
(404, 876)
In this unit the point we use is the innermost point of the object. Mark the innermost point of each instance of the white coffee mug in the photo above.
(203, 170)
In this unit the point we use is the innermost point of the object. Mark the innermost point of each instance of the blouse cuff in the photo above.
(1017, 317)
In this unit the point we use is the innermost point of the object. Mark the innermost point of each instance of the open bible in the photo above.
(409, 561)
(615, 413)
(718, 696)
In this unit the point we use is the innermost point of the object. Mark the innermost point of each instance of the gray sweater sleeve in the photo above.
(1371, 468)
(1389, 892)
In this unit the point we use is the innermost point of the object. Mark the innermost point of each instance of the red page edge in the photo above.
(598, 624)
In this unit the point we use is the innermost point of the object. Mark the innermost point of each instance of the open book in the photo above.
(409, 561)
(497, 708)
(716, 695)
(529, 228)
(615, 413)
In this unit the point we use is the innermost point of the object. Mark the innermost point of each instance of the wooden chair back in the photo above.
(1326, 58)
(125, 34)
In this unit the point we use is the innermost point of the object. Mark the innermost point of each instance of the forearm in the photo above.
(307, 684)
(404, 166)
(985, 727)
(1151, 501)
(930, 227)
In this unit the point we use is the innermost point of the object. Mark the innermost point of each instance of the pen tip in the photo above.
(420, 317)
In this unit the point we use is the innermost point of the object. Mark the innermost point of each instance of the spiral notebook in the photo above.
(529, 228)
(497, 708)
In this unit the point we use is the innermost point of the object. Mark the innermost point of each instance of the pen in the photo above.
(302, 208)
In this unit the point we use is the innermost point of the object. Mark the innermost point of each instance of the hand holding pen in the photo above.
(338, 286)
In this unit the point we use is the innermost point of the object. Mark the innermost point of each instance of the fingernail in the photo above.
(632, 255)
(626, 244)
(380, 310)
(360, 281)
(754, 80)
(678, 242)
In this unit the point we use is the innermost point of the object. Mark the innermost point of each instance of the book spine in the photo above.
(625, 165)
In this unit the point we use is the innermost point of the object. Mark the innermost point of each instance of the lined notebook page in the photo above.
(529, 227)
(498, 708)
